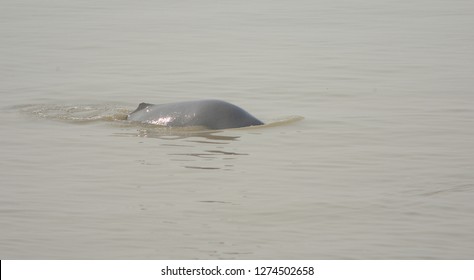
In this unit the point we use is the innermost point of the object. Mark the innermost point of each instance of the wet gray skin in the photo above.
(212, 114)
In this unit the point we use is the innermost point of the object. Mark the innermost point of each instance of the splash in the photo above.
(283, 121)
(77, 113)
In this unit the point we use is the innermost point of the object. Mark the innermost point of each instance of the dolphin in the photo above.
(212, 114)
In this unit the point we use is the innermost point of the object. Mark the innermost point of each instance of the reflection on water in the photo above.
(206, 150)
(464, 188)
(167, 133)
(210, 154)
(191, 148)
(195, 156)
(215, 201)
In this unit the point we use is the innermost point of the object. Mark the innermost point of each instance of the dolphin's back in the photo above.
(213, 114)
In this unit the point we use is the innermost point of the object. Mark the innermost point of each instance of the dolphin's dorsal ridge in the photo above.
(142, 106)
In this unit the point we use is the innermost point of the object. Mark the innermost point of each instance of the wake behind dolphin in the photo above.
(212, 114)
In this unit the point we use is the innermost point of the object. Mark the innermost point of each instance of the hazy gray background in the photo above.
(381, 166)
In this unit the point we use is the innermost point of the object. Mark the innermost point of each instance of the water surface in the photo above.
(381, 166)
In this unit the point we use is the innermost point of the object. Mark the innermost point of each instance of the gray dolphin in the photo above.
(213, 114)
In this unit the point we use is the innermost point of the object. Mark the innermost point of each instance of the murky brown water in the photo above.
(381, 166)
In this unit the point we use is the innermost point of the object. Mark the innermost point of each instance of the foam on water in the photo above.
(81, 113)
